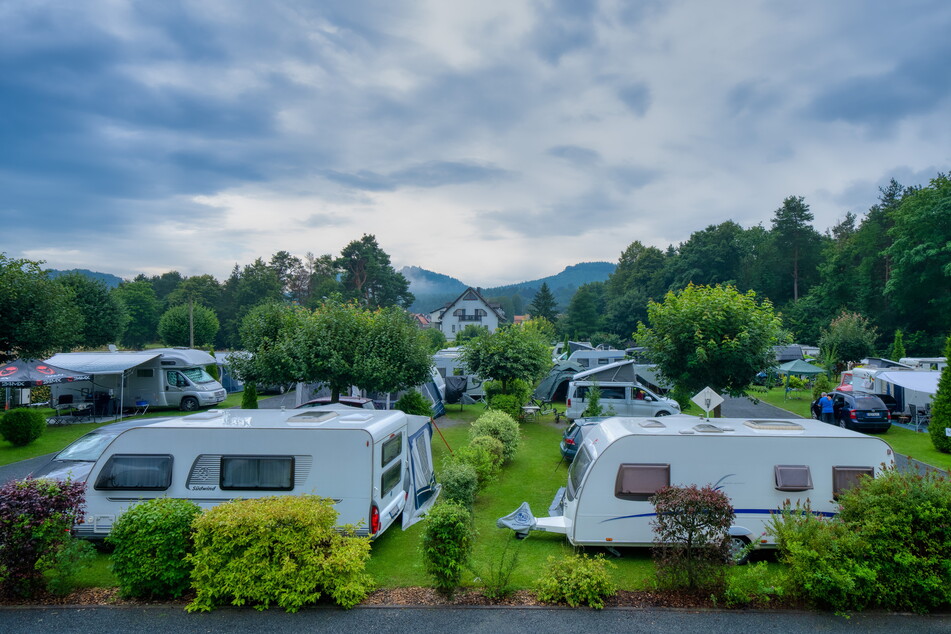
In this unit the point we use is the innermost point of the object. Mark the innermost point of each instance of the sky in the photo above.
(493, 141)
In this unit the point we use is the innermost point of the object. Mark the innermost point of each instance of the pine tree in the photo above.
(544, 304)
(898, 347)
(941, 408)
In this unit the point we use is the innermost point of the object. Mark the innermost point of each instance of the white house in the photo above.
(469, 308)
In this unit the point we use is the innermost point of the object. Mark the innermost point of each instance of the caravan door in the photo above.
(422, 489)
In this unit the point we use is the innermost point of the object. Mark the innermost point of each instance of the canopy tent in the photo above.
(798, 367)
(558, 378)
(104, 363)
(26, 373)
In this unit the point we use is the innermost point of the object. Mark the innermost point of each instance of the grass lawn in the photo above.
(797, 401)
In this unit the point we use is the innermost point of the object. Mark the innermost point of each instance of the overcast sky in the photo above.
(494, 141)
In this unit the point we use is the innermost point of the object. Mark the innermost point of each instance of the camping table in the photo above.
(529, 412)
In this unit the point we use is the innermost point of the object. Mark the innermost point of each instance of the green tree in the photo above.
(585, 311)
(897, 351)
(163, 285)
(544, 304)
(104, 316)
(39, 316)
(142, 306)
(796, 245)
(435, 339)
(368, 277)
(941, 407)
(470, 332)
(198, 289)
(850, 335)
(174, 328)
(256, 283)
(712, 256)
(711, 336)
(511, 352)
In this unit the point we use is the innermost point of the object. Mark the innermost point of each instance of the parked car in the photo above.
(352, 401)
(574, 436)
(618, 398)
(858, 411)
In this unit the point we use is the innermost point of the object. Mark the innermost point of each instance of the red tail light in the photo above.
(852, 414)
(569, 441)
(569, 403)
(374, 520)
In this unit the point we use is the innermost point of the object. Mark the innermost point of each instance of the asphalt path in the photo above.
(384, 620)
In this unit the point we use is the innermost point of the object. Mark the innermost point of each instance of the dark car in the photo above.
(574, 435)
(893, 407)
(857, 411)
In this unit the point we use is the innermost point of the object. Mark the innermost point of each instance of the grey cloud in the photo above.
(429, 174)
(564, 26)
(589, 212)
(637, 97)
(575, 154)
(627, 178)
(324, 220)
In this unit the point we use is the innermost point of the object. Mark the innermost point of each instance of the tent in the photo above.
(798, 368)
(626, 371)
(555, 385)
(26, 373)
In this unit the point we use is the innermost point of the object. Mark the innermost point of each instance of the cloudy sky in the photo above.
(494, 141)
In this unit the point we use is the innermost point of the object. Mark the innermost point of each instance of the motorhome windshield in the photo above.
(197, 375)
(576, 471)
(88, 448)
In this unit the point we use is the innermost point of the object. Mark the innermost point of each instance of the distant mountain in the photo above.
(110, 280)
(433, 290)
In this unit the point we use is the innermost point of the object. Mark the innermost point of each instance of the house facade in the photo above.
(469, 308)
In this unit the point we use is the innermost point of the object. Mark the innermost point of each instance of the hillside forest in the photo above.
(884, 271)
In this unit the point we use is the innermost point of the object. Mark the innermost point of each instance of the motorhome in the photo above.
(375, 465)
(163, 377)
(617, 398)
(759, 464)
(593, 358)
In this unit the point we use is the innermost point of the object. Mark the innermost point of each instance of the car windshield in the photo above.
(88, 448)
(869, 402)
(577, 470)
(197, 375)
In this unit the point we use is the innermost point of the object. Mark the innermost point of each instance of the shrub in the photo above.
(40, 394)
(493, 445)
(282, 550)
(151, 542)
(484, 462)
(691, 536)
(576, 580)
(497, 578)
(594, 402)
(414, 403)
(447, 545)
(249, 397)
(941, 408)
(518, 388)
(822, 383)
(35, 519)
(750, 585)
(63, 564)
(500, 426)
(22, 426)
(459, 482)
(508, 404)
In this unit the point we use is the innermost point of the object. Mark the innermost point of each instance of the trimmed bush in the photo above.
(35, 519)
(447, 545)
(22, 426)
(576, 580)
(414, 403)
(281, 550)
(691, 536)
(151, 542)
(517, 388)
(459, 482)
(485, 463)
(508, 404)
(500, 426)
(493, 445)
(249, 397)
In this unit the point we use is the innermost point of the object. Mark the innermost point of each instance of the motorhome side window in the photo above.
(844, 478)
(144, 373)
(392, 448)
(176, 379)
(793, 478)
(257, 473)
(640, 481)
(135, 471)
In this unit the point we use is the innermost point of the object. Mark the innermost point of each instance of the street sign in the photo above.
(707, 399)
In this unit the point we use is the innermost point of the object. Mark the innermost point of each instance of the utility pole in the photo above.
(191, 323)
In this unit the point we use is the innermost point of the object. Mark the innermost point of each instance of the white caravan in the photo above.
(375, 465)
(163, 377)
(758, 463)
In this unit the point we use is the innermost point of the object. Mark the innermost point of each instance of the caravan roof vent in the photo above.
(311, 418)
(707, 428)
(650, 423)
(356, 418)
(775, 425)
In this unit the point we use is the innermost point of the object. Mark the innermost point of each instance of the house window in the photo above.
(257, 473)
(135, 471)
(793, 478)
(392, 449)
(470, 296)
(844, 478)
(459, 312)
(391, 478)
(454, 327)
(640, 481)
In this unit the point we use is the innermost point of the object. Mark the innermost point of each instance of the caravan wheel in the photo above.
(739, 554)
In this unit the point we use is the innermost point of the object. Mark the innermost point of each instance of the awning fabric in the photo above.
(101, 362)
(918, 381)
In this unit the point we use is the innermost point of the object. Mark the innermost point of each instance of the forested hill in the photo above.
(110, 280)
(433, 290)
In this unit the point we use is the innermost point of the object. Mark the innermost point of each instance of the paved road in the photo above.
(743, 407)
(383, 620)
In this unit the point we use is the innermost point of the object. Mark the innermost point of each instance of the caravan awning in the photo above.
(926, 382)
(101, 362)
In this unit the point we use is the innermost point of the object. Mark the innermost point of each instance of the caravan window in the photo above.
(640, 481)
(793, 478)
(579, 467)
(392, 449)
(135, 471)
(844, 478)
(391, 478)
(257, 473)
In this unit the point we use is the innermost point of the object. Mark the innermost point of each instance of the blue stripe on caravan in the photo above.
(735, 511)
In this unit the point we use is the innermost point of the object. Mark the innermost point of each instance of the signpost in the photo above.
(707, 399)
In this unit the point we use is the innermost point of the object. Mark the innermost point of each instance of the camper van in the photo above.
(163, 377)
(618, 398)
(758, 463)
(375, 465)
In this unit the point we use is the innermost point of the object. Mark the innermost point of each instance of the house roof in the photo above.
(494, 307)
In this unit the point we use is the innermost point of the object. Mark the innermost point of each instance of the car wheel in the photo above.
(843, 424)
(739, 553)
(189, 404)
(662, 412)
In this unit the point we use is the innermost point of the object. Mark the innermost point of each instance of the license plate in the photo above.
(874, 415)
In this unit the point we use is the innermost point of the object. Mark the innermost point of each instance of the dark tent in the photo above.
(627, 371)
(554, 387)
(455, 388)
(36, 373)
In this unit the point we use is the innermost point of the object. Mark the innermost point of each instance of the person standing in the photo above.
(825, 406)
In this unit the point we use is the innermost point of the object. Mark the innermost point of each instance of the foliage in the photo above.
(542, 328)
(543, 304)
(711, 336)
(263, 332)
(413, 402)
(491, 444)
(470, 332)
(897, 351)
(366, 275)
(485, 463)
(497, 576)
(507, 403)
(691, 536)
(460, 481)
(447, 542)
(39, 315)
(152, 540)
(35, 519)
(103, 315)
(202, 290)
(796, 249)
(500, 426)
(435, 339)
(65, 564)
(941, 407)
(511, 352)
(22, 426)
(821, 383)
(585, 312)
(174, 327)
(281, 550)
(851, 336)
(142, 307)
(249, 397)
(256, 283)
(887, 548)
(576, 580)
(594, 407)
(751, 585)
(518, 388)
